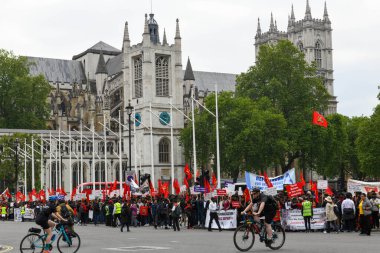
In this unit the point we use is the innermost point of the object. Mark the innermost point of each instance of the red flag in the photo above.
(214, 181)
(176, 186)
(159, 187)
(207, 185)
(187, 198)
(30, 196)
(165, 189)
(329, 191)
(42, 195)
(198, 173)
(319, 120)
(151, 187)
(185, 182)
(74, 192)
(20, 197)
(247, 195)
(136, 181)
(6, 192)
(188, 172)
(267, 180)
(302, 179)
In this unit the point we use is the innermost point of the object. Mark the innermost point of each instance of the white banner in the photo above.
(17, 215)
(361, 186)
(322, 184)
(293, 219)
(227, 219)
(29, 213)
(80, 196)
(278, 182)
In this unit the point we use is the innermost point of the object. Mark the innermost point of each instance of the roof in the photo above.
(101, 67)
(189, 75)
(63, 71)
(114, 65)
(205, 81)
(100, 46)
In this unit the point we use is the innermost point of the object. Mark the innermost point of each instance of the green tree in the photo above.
(251, 134)
(23, 98)
(294, 88)
(8, 162)
(368, 145)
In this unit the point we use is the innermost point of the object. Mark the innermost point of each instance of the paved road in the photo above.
(147, 239)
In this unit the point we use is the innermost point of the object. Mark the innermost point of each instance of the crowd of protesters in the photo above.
(344, 211)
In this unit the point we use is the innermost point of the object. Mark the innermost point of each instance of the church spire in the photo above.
(189, 75)
(308, 11)
(164, 40)
(177, 33)
(275, 25)
(325, 14)
(126, 32)
(258, 33)
(146, 30)
(101, 67)
(292, 17)
(271, 27)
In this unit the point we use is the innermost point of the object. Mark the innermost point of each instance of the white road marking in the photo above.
(5, 249)
(137, 248)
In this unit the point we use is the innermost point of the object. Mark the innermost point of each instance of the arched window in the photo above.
(75, 175)
(54, 176)
(100, 175)
(137, 76)
(163, 150)
(162, 76)
(300, 46)
(123, 172)
(318, 54)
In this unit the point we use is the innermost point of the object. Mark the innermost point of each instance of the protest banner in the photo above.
(271, 191)
(294, 190)
(293, 219)
(29, 213)
(278, 182)
(227, 219)
(361, 186)
(322, 184)
(221, 192)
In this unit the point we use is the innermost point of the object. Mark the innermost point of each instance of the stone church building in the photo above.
(91, 90)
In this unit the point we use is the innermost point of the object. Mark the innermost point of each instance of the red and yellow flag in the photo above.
(319, 120)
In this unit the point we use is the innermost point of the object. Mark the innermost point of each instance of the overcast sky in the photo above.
(217, 35)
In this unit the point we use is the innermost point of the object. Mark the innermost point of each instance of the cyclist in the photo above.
(266, 208)
(47, 224)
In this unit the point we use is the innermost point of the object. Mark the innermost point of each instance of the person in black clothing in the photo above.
(96, 211)
(125, 216)
(266, 208)
(176, 214)
(43, 220)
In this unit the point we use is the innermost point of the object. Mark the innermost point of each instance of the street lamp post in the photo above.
(129, 110)
(61, 169)
(16, 143)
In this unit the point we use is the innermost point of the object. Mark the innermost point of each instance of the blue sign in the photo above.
(199, 189)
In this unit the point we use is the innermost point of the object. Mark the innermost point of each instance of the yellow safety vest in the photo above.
(22, 210)
(3, 210)
(117, 208)
(306, 208)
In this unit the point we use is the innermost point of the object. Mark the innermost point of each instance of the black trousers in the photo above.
(307, 222)
(214, 216)
(349, 225)
(365, 224)
(375, 219)
(175, 223)
(115, 218)
(125, 224)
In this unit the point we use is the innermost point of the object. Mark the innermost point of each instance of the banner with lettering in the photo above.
(293, 219)
(254, 180)
(227, 219)
(361, 186)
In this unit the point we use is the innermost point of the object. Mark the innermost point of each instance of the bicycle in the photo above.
(245, 234)
(66, 242)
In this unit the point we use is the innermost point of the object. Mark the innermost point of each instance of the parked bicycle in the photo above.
(244, 236)
(67, 241)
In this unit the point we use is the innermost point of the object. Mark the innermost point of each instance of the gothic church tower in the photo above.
(313, 37)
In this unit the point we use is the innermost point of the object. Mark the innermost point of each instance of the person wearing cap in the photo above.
(267, 208)
(43, 220)
(307, 213)
(330, 215)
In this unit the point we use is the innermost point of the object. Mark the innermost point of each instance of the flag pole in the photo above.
(172, 145)
(217, 136)
(194, 147)
(120, 159)
(33, 186)
(151, 140)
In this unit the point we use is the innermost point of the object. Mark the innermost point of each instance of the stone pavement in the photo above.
(147, 239)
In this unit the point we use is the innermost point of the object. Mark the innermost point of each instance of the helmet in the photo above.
(61, 198)
(255, 189)
(53, 198)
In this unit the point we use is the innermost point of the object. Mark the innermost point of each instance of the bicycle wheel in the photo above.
(278, 237)
(32, 243)
(69, 243)
(244, 238)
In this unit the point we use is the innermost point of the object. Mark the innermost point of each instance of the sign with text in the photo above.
(199, 189)
(235, 204)
(293, 219)
(322, 184)
(252, 180)
(294, 190)
(221, 192)
(361, 186)
(227, 219)
(271, 191)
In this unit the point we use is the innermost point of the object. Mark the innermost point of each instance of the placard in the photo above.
(294, 190)
(227, 219)
(322, 184)
(221, 192)
(271, 191)
(235, 204)
(199, 189)
(293, 219)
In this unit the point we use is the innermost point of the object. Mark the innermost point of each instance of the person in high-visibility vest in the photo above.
(22, 212)
(307, 213)
(116, 213)
(4, 212)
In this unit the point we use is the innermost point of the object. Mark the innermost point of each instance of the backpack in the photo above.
(65, 213)
(271, 201)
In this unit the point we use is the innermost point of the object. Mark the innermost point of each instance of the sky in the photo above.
(217, 35)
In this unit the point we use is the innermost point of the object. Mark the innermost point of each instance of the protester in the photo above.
(307, 213)
(176, 214)
(348, 213)
(330, 215)
(125, 216)
(213, 215)
(365, 212)
(375, 202)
